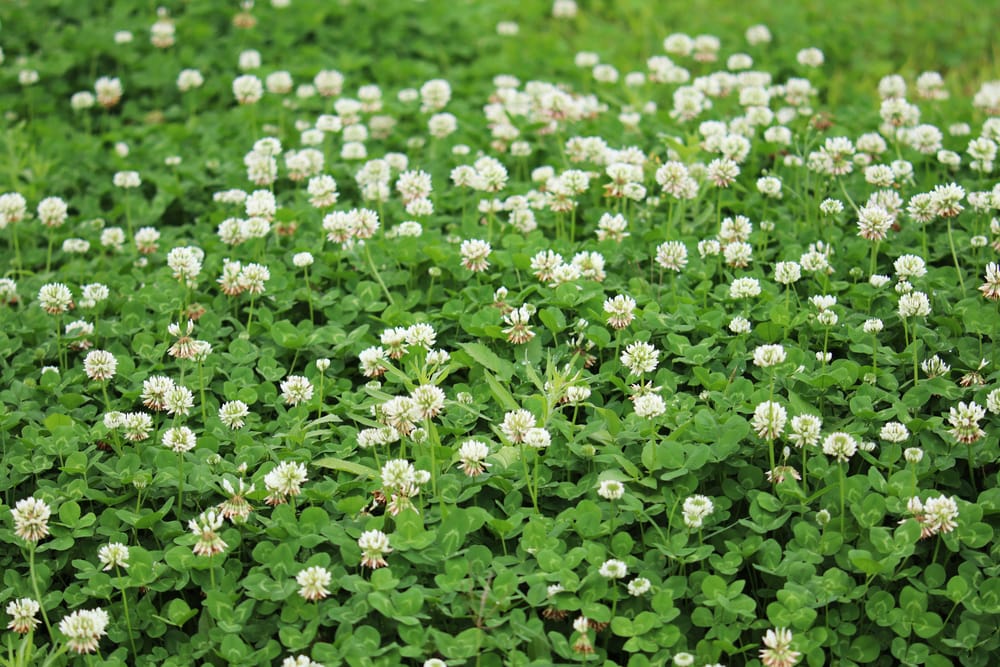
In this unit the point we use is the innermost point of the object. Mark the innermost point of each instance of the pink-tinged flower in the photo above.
(964, 422)
(23, 614)
(991, 288)
(474, 254)
(313, 582)
(374, 546)
(779, 651)
(285, 480)
(472, 455)
(236, 508)
(518, 330)
(204, 528)
(84, 629)
(620, 310)
(31, 519)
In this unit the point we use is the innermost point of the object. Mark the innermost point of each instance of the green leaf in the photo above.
(69, 513)
(358, 469)
(500, 393)
(488, 359)
(178, 612)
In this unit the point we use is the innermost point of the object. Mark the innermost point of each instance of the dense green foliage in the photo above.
(635, 352)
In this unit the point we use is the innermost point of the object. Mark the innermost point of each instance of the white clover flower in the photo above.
(113, 555)
(23, 613)
(472, 457)
(805, 430)
(100, 365)
(109, 91)
(55, 298)
(178, 400)
(672, 255)
(285, 480)
(474, 254)
(179, 439)
(964, 422)
(421, 335)
(695, 509)
(639, 358)
(299, 660)
(428, 400)
(296, 389)
(766, 356)
(649, 406)
(313, 582)
(639, 586)
(777, 651)
(613, 569)
(744, 288)
(769, 420)
(620, 310)
(537, 438)
(940, 514)
(248, 89)
(233, 414)
(84, 629)
(31, 519)
(611, 489)
(787, 273)
(914, 304)
(840, 445)
(374, 545)
(189, 79)
(894, 432)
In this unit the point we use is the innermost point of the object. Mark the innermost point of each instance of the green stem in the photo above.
(972, 471)
(847, 196)
(201, 386)
(788, 308)
(534, 496)
(954, 257)
(805, 477)
(48, 254)
(250, 316)
(906, 342)
(17, 248)
(180, 485)
(321, 397)
(875, 354)
(842, 494)
(432, 438)
(128, 215)
(52, 658)
(527, 476)
(128, 618)
(38, 595)
(770, 451)
(107, 402)
(59, 345)
(377, 275)
(309, 297)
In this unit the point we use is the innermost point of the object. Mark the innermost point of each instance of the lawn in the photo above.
(499, 333)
